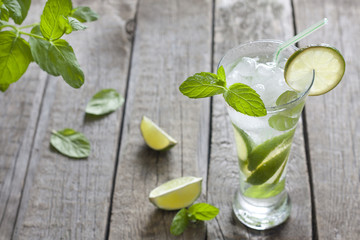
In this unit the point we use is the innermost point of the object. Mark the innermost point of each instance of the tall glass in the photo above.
(263, 143)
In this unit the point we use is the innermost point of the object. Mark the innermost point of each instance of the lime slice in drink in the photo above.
(269, 149)
(244, 144)
(269, 158)
(328, 63)
(177, 193)
(266, 190)
(154, 136)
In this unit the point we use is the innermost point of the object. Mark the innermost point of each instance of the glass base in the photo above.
(262, 214)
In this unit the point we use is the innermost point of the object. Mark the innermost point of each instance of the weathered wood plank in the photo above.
(64, 198)
(18, 124)
(237, 22)
(173, 41)
(333, 122)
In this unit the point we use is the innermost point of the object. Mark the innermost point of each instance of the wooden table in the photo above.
(145, 49)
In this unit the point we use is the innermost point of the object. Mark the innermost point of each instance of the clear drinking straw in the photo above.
(299, 36)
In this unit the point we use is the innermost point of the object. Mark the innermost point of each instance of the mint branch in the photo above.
(197, 212)
(239, 96)
(52, 54)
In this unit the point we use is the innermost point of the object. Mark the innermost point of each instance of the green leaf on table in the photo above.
(57, 58)
(244, 99)
(180, 222)
(76, 25)
(104, 101)
(70, 143)
(202, 85)
(18, 9)
(4, 14)
(203, 211)
(84, 14)
(51, 23)
(15, 57)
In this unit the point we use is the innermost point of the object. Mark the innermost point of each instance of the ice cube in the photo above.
(259, 88)
(264, 71)
(246, 67)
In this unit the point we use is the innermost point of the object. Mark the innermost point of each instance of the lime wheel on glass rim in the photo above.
(326, 61)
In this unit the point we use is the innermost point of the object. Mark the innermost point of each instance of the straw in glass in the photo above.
(299, 36)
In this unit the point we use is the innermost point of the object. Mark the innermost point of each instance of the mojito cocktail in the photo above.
(263, 143)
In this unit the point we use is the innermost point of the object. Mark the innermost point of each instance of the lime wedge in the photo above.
(269, 149)
(269, 166)
(154, 136)
(328, 63)
(177, 193)
(244, 144)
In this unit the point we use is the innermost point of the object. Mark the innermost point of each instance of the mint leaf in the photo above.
(65, 25)
(15, 57)
(40, 52)
(221, 74)
(286, 97)
(76, 24)
(13, 7)
(70, 143)
(202, 85)
(4, 14)
(203, 211)
(104, 101)
(288, 118)
(281, 122)
(4, 87)
(52, 17)
(84, 14)
(244, 99)
(18, 9)
(57, 58)
(179, 223)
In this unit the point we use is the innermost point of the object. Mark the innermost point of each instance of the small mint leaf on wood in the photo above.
(70, 143)
(104, 101)
(203, 211)
(202, 85)
(180, 222)
(244, 99)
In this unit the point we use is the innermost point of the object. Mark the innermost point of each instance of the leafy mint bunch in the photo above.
(239, 96)
(198, 211)
(44, 46)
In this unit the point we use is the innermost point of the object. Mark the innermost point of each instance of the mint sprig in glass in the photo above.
(239, 96)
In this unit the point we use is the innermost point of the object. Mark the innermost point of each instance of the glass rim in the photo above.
(282, 107)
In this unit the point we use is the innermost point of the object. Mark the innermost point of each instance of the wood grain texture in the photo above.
(65, 198)
(21, 104)
(237, 22)
(173, 41)
(333, 122)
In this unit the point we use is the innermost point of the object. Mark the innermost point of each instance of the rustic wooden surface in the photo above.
(145, 49)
